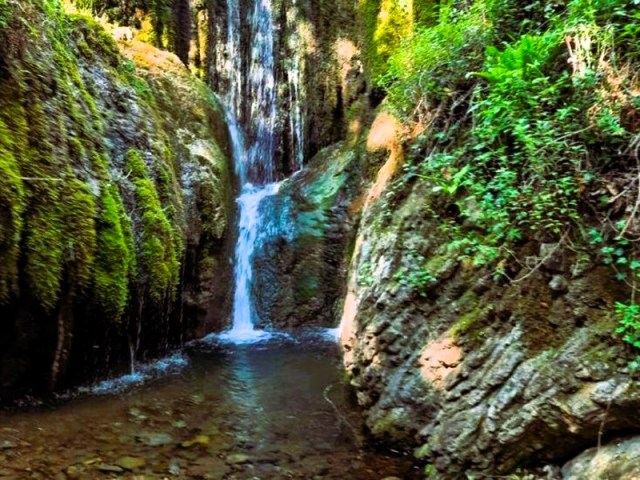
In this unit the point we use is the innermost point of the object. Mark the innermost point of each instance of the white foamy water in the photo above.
(244, 317)
(143, 373)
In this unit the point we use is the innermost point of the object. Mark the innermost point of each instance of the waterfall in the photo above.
(251, 103)
(294, 67)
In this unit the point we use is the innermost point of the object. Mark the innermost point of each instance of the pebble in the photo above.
(106, 468)
(153, 439)
(238, 459)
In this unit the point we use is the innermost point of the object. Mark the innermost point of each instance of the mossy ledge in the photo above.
(114, 201)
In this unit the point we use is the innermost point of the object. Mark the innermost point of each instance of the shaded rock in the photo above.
(199, 440)
(300, 267)
(238, 459)
(559, 284)
(106, 468)
(619, 460)
(211, 468)
(135, 105)
(478, 379)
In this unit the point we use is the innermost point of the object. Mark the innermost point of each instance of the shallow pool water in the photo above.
(274, 410)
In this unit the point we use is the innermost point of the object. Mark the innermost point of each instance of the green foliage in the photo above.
(528, 113)
(433, 62)
(628, 316)
(524, 156)
(4, 13)
(365, 275)
(415, 273)
(386, 23)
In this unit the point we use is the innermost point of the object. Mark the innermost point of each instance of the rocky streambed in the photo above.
(273, 410)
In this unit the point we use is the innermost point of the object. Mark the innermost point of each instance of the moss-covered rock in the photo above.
(101, 174)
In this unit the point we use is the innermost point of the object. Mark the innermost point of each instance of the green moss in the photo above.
(386, 24)
(44, 248)
(55, 230)
(80, 232)
(95, 42)
(425, 12)
(135, 164)
(115, 258)
(160, 245)
(307, 286)
(11, 208)
(467, 322)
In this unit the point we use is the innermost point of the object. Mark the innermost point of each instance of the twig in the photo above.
(547, 257)
(356, 436)
(41, 179)
(604, 419)
(636, 206)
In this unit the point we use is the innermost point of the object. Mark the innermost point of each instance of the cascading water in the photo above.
(253, 150)
(295, 74)
(244, 317)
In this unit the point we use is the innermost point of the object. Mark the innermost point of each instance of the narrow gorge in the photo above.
(369, 239)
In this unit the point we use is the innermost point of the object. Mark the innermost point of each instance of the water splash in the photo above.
(141, 374)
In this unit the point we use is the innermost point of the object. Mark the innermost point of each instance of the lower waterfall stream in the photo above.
(270, 410)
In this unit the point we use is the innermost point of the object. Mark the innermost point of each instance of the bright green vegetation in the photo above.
(160, 245)
(530, 118)
(11, 208)
(83, 215)
(115, 258)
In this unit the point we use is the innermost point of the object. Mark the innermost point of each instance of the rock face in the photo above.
(475, 372)
(114, 201)
(300, 267)
(620, 460)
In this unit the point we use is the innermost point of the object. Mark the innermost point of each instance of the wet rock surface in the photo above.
(251, 412)
(300, 265)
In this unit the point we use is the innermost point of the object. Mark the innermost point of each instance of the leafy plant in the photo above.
(414, 274)
(628, 316)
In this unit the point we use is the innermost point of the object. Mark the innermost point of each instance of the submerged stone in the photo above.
(131, 463)
(154, 439)
(238, 459)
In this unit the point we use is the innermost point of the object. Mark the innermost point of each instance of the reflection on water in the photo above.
(242, 412)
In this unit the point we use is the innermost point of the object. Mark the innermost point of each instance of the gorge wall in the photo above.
(115, 206)
(482, 362)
